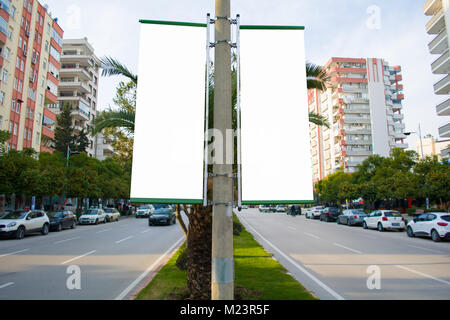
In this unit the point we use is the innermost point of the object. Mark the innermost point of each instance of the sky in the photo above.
(392, 30)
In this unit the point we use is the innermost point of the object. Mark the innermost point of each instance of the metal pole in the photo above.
(208, 62)
(238, 85)
(67, 158)
(421, 145)
(222, 271)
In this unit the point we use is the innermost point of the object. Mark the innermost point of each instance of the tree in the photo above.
(64, 132)
(4, 137)
(81, 141)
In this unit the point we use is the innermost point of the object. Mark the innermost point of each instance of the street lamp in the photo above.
(420, 137)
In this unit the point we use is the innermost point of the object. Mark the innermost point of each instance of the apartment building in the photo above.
(104, 148)
(78, 87)
(30, 50)
(439, 27)
(363, 105)
(430, 146)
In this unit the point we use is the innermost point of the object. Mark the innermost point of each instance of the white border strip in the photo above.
(422, 274)
(306, 272)
(79, 257)
(8, 254)
(125, 292)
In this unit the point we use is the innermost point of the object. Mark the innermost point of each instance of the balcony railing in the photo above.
(435, 25)
(443, 86)
(443, 109)
(444, 131)
(436, 66)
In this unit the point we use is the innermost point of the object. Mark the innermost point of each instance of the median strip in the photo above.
(423, 274)
(8, 254)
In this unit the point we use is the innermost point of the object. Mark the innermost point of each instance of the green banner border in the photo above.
(203, 25)
(278, 202)
(166, 201)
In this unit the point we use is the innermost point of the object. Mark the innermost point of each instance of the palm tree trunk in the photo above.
(199, 246)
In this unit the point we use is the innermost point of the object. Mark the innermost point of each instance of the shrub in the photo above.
(182, 259)
(237, 228)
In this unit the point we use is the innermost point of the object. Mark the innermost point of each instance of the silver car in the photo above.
(352, 217)
(93, 216)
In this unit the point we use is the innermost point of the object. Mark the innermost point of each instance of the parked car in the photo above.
(294, 210)
(352, 217)
(62, 220)
(264, 208)
(280, 208)
(112, 214)
(18, 223)
(330, 214)
(434, 224)
(163, 215)
(314, 212)
(93, 216)
(145, 211)
(384, 219)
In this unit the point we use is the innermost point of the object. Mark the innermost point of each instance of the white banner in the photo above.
(169, 132)
(276, 158)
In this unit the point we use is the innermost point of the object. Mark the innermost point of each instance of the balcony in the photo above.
(81, 112)
(46, 149)
(444, 131)
(396, 106)
(439, 44)
(358, 152)
(356, 110)
(398, 117)
(358, 142)
(443, 109)
(400, 145)
(432, 6)
(398, 135)
(75, 72)
(73, 85)
(356, 120)
(50, 98)
(446, 154)
(436, 23)
(442, 64)
(443, 86)
(81, 59)
(47, 132)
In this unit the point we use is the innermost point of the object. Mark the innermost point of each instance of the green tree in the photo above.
(81, 141)
(4, 137)
(64, 131)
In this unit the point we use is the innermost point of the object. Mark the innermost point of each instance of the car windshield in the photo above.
(91, 212)
(392, 214)
(446, 218)
(109, 210)
(357, 212)
(145, 207)
(14, 215)
(162, 212)
(55, 214)
(333, 209)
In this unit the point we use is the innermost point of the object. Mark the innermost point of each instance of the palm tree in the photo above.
(112, 67)
(317, 78)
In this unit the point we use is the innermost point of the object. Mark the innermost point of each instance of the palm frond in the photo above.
(112, 67)
(316, 77)
(122, 119)
(318, 119)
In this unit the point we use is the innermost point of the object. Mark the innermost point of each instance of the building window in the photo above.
(13, 105)
(2, 96)
(41, 100)
(15, 129)
(11, 125)
(22, 64)
(6, 54)
(12, 12)
(10, 33)
(38, 138)
(29, 134)
(5, 76)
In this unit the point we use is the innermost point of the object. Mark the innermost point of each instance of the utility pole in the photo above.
(222, 273)
(421, 145)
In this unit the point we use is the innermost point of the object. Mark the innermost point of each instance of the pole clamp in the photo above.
(232, 44)
(227, 175)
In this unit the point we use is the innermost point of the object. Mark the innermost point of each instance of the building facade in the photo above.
(30, 46)
(439, 27)
(430, 146)
(78, 87)
(363, 105)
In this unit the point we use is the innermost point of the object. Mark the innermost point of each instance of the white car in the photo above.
(145, 211)
(112, 214)
(93, 216)
(314, 212)
(20, 222)
(385, 220)
(264, 208)
(434, 224)
(281, 208)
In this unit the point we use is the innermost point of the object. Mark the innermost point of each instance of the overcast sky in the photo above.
(348, 28)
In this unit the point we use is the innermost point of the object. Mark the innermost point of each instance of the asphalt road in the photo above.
(335, 261)
(111, 258)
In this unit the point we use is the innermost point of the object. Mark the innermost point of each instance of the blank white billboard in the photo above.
(276, 158)
(169, 129)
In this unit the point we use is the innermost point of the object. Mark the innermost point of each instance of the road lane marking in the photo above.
(344, 247)
(6, 285)
(431, 250)
(292, 228)
(306, 272)
(57, 242)
(145, 231)
(128, 238)
(79, 257)
(101, 231)
(125, 292)
(311, 235)
(422, 274)
(8, 254)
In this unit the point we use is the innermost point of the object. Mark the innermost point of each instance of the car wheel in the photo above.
(73, 225)
(435, 236)
(380, 227)
(45, 229)
(96, 222)
(338, 221)
(150, 224)
(348, 222)
(20, 233)
(410, 232)
(365, 225)
(59, 228)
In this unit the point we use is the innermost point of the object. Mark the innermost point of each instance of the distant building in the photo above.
(104, 148)
(439, 26)
(432, 147)
(363, 105)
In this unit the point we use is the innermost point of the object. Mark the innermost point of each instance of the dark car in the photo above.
(352, 217)
(294, 210)
(162, 216)
(62, 220)
(330, 214)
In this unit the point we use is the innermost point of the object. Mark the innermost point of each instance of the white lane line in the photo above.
(306, 272)
(426, 249)
(6, 285)
(79, 257)
(344, 247)
(311, 235)
(422, 274)
(145, 231)
(101, 231)
(57, 242)
(125, 292)
(8, 254)
(292, 228)
(128, 238)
